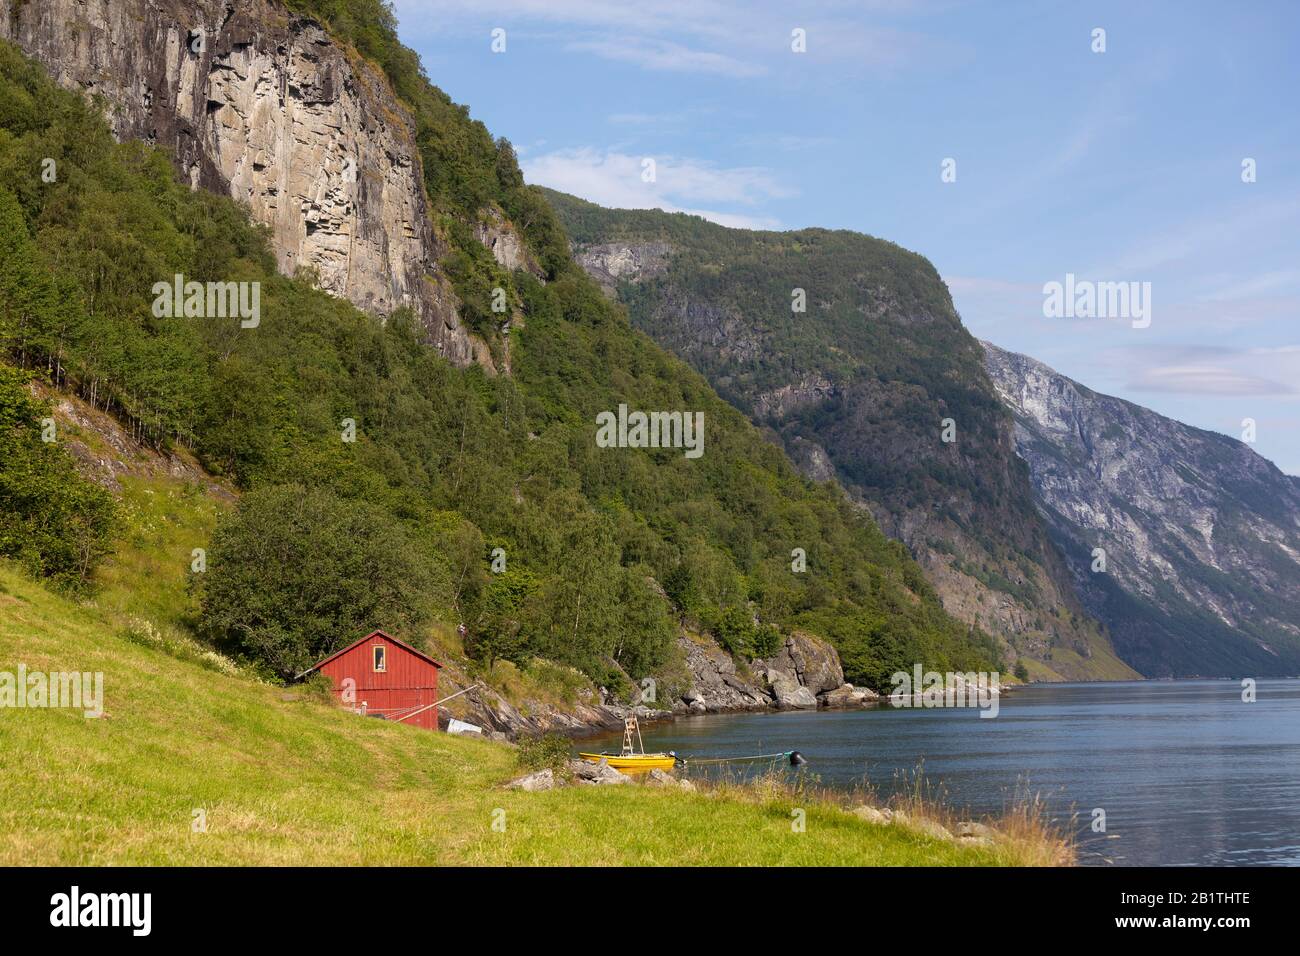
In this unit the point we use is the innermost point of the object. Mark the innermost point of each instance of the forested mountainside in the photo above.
(378, 475)
(859, 385)
(1201, 535)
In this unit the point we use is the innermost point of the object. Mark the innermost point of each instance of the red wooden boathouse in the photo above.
(385, 677)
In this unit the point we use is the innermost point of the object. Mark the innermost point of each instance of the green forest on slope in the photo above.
(396, 528)
(880, 360)
(879, 325)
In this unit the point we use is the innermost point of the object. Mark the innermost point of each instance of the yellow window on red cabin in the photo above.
(380, 654)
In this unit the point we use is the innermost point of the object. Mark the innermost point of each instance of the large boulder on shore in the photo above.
(812, 662)
(978, 834)
(846, 695)
(601, 774)
(533, 782)
(932, 829)
(870, 814)
(789, 693)
(693, 702)
(662, 778)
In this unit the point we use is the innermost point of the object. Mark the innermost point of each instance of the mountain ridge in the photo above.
(858, 387)
(1201, 533)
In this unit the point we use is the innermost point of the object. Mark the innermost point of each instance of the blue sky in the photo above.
(1120, 166)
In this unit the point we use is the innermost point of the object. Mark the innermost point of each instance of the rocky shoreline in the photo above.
(805, 674)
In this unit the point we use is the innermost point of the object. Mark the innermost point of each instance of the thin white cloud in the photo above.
(732, 220)
(1172, 364)
(665, 56)
(790, 143)
(994, 288)
(736, 38)
(1209, 370)
(615, 179)
(1205, 380)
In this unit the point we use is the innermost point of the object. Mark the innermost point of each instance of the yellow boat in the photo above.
(632, 760)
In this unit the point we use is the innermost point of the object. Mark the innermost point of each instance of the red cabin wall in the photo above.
(407, 683)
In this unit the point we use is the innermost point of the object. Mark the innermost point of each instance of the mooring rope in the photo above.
(689, 760)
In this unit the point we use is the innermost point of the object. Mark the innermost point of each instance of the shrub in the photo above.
(56, 523)
(735, 632)
(539, 753)
(767, 641)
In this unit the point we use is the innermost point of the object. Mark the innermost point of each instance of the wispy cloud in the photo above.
(665, 55)
(1210, 370)
(680, 184)
(1205, 380)
(790, 143)
(733, 38)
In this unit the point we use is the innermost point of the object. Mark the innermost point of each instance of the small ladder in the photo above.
(629, 725)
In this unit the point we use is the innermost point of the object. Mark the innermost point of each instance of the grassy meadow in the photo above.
(282, 777)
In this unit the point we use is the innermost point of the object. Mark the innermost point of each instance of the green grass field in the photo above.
(282, 777)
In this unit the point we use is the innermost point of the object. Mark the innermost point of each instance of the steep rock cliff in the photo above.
(262, 105)
(1201, 535)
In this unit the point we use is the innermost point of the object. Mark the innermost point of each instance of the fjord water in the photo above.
(1186, 772)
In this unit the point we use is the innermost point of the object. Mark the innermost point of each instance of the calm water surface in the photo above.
(1186, 772)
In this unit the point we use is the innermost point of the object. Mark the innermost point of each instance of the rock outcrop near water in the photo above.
(1201, 535)
(803, 675)
(262, 105)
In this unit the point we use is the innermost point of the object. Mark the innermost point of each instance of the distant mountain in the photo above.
(856, 386)
(1201, 535)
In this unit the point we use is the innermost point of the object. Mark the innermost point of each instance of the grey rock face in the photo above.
(716, 686)
(804, 674)
(504, 243)
(810, 458)
(813, 663)
(609, 262)
(780, 402)
(1201, 535)
(259, 104)
(788, 692)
